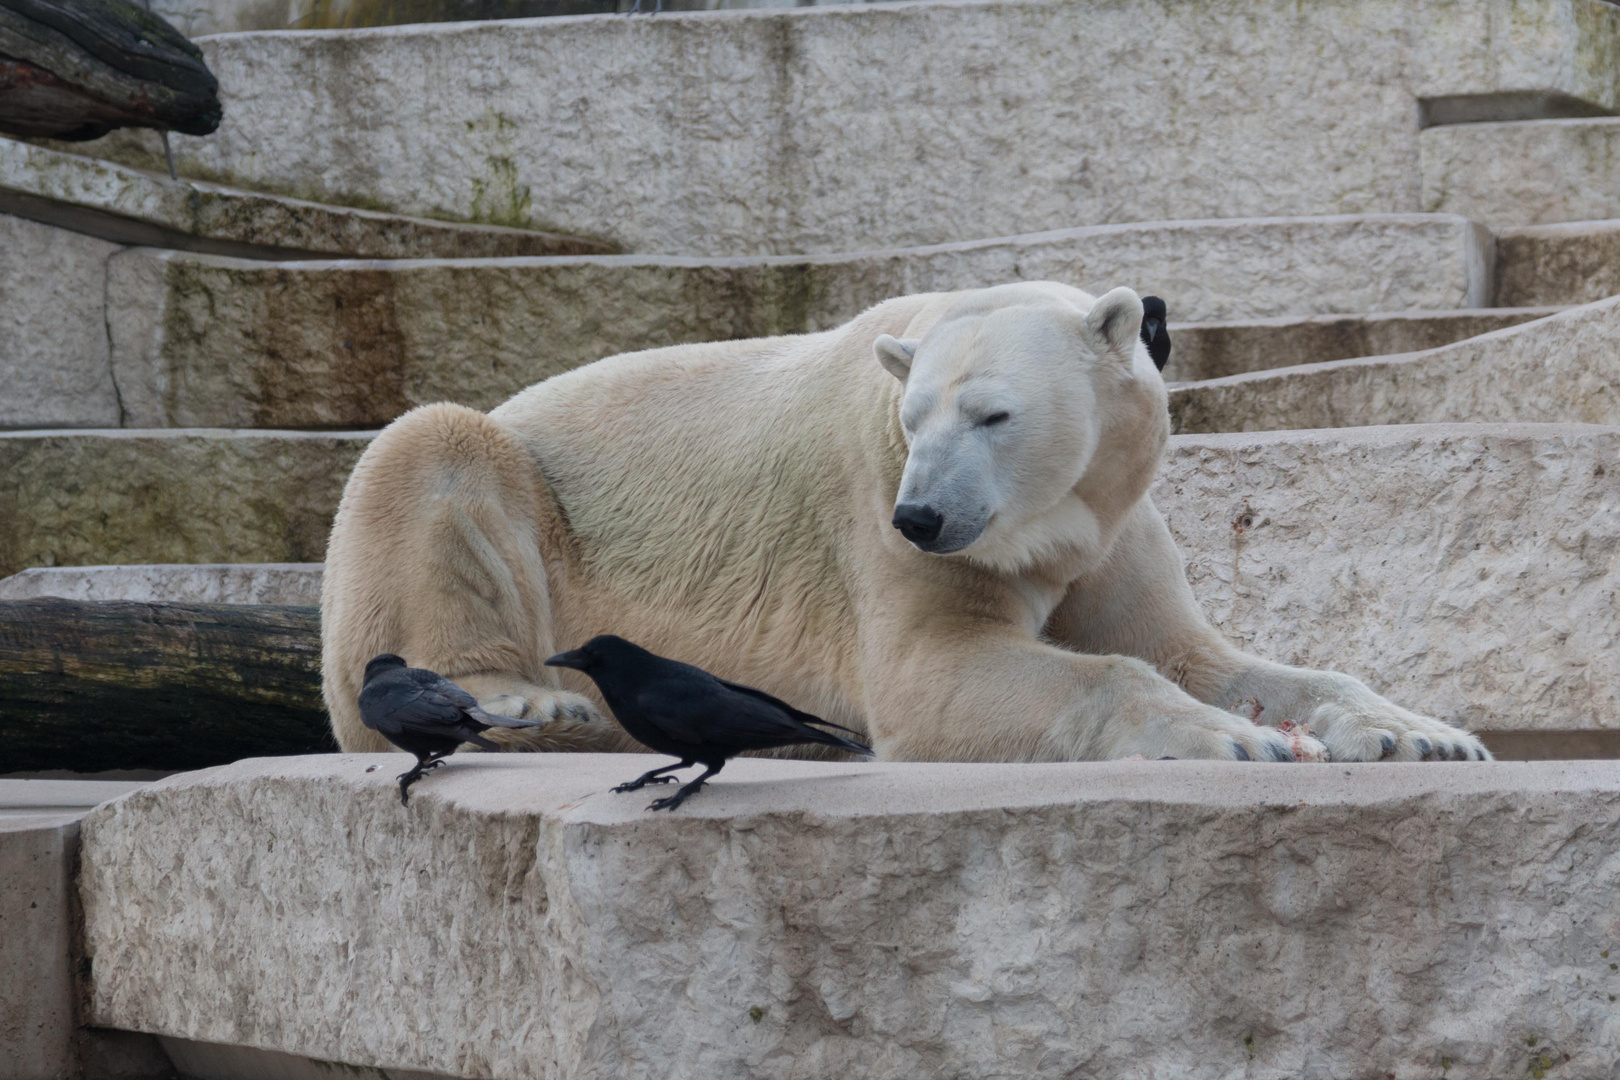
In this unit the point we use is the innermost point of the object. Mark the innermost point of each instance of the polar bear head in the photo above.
(1034, 420)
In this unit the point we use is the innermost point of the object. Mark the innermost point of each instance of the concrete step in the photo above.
(732, 133)
(76, 498)
(130, 206)
(1572, 263)
(1218, 891)
(235, 16)
(1466, 570)
(187, 583)
(1213, 350)
(206, 341)
(1565, 367)
(1527, 173)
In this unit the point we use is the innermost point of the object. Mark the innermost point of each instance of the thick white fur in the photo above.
(729, 505)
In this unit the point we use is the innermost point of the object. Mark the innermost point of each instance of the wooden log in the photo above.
(76, 69)
(121, 685)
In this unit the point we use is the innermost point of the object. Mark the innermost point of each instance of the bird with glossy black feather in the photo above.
(1156, 330)
(687, 713)
(425, 714)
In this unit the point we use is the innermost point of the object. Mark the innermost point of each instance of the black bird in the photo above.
(425, 714)
(685, 712)
(1155, 331)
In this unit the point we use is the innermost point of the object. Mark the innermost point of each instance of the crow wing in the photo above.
(442, 691)
(801, 717)
(712, 712)
(404, 709)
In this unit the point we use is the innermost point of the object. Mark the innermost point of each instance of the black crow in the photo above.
(425, 714)
(1155, 331)
(685, 712)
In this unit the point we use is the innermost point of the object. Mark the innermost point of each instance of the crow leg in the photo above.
(653, 777)
(406, 779)
(420, 769)
(672, 801)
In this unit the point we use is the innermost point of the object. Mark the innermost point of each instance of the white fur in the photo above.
(729, 505)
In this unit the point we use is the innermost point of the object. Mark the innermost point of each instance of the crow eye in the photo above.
(995, 418)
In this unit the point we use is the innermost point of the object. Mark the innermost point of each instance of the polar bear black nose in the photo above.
(918, 522)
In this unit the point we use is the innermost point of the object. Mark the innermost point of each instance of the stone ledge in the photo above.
(173, 495)
(1214, 350)
(1466, 570)
(1528, 172)
(197, 340)
(820, 920)
(1554, 369)
(128, 206)
(656, 133)
(194, 583)
(1576, 262)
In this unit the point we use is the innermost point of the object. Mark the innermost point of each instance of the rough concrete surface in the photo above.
(1526, 173)
(1565, 367)
(1573, 263)
(36, 935)
(128, 205)
(204, 341)
(850, 127)
(205, 583)
(1467, 571)
(53, 328)
(100, 497)
(39, 841)
(1213, 350)
(825, 920)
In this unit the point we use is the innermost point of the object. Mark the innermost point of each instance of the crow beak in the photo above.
(575, 659)
(1151, 327)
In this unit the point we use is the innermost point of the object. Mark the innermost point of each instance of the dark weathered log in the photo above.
(76, 69)
(119, 685)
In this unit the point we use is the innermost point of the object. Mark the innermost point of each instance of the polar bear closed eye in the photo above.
(930, 525)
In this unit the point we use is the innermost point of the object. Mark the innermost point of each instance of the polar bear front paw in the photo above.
(1377, 730)
(1209, 733)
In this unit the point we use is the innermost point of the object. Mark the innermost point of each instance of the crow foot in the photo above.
(652, 776)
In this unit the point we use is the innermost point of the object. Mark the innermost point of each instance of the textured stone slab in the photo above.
(1468, 571)
(816, 920)
(202, 341)
(53, 328)
(1572, 263)
(822, 130)
(97, 497)
(129, 206)
(1213, 350)
(1565, 367)
(208, 583)
(1526, 173)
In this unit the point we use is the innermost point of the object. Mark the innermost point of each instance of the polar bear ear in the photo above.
(1117, 319)
(895, 354)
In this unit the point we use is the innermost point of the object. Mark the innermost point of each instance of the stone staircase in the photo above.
(1389, 237)
(195, 366)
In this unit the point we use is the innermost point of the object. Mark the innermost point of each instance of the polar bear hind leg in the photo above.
(435, 555)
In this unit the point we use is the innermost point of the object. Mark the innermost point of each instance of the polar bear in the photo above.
(930, 525)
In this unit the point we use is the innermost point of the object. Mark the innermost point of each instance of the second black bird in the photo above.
(1155, 330)
(683, 711)
(425, 714)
